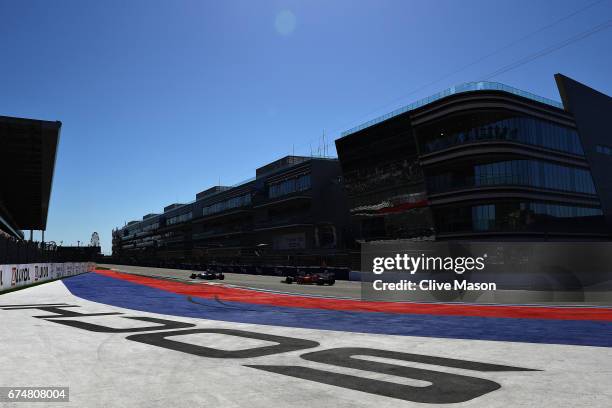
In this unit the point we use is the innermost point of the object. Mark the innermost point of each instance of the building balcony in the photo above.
(498, 148)
(284, 222)
(286, 199)
(442, 185)
(514, 192)
(220, 233)
(226, 213)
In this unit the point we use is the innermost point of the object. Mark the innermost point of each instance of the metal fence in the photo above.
(15, 251)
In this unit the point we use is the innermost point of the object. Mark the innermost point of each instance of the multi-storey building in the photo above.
(477, 161)
(483, 161)
(293, 211)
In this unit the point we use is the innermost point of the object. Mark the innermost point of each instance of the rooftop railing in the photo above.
(466, 87)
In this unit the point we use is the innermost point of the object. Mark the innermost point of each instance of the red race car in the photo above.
(325, 278)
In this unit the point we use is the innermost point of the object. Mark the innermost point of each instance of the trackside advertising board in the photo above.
(17, 275)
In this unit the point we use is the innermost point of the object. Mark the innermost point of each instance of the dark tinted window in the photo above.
(477, 127)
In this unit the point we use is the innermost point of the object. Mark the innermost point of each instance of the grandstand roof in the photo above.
(27, 161)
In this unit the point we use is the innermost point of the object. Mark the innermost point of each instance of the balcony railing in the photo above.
(466, 87)
(283, 221)
(219, 232)
(514, 180)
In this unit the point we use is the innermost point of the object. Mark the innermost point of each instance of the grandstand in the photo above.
(27, 153)
(28, 149)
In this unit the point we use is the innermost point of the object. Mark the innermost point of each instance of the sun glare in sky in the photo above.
(285, 22)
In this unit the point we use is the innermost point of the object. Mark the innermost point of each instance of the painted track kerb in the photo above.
(292, 300)
(516, 324)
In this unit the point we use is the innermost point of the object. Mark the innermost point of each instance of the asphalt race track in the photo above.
(273, 283)
(345, 289)
(129, 340)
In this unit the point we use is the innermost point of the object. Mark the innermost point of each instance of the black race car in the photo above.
(325, 278)
(207, 275)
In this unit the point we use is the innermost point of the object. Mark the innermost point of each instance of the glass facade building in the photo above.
(235, 202)
(293, 211)
(521, 172)
(499, 126)
(518, 216)
(480, 161)
(292, 185)
(486, 161)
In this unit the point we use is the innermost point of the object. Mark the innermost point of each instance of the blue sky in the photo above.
(160, 99)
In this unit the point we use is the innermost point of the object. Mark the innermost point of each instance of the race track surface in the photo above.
(346, 289)
(128, 340)
(274, 283)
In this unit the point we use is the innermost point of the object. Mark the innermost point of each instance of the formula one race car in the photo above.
(208, 275)
(324, 278)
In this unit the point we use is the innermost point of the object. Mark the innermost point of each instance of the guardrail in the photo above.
(21, 275)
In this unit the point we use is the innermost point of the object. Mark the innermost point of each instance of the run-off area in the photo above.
(124, 357)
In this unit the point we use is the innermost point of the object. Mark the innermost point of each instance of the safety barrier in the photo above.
(274, 270)
(19, 275)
